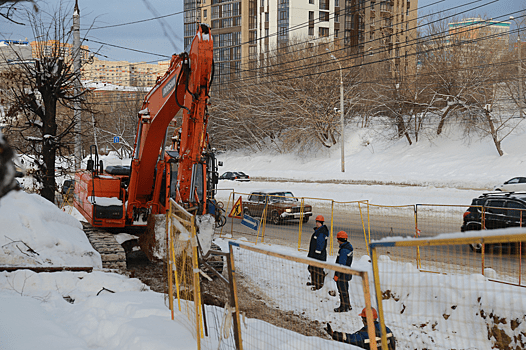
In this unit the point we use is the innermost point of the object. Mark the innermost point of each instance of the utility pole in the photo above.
(76, 69)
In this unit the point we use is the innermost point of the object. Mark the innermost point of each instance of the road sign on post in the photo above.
(250, 222)
(116, 139)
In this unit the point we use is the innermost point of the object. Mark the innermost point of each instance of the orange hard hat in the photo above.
(375, 314)
(320, 218)
(342, 234)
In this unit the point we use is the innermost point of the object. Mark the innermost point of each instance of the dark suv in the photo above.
(280, 206)
(495, 210)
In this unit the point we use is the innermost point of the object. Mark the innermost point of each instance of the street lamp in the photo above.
(519, 62)
(341, 111)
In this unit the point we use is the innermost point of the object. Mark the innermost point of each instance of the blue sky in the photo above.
(165, 36)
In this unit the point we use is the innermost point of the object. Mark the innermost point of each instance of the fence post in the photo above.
(301, 222)
(169, 258)
(376, 275)
(233, 299)
(417, 234)
(331, 237)
(197, 293)
(368, 312)
(363, 227)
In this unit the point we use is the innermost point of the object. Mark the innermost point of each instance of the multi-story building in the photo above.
(489, 35)
(14, 52)
(124, 73)
(245, 30)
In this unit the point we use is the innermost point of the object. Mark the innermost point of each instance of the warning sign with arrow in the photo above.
(237, 210)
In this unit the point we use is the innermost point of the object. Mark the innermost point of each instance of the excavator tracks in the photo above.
(111, 252)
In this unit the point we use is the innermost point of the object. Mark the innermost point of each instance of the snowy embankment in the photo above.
(450, 161)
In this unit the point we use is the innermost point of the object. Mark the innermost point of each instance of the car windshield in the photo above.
(282, 197)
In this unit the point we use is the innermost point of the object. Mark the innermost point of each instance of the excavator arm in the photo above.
(185, 85)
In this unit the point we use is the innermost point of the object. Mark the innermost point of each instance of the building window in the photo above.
(336, 3)
(311, 15)
(266, 16)
(324, 32)
(311, 30)
(337, 16)
(324, 4)
(262, 3)
(311, 1)
(266, 32)
(204, 13)
(324, 16)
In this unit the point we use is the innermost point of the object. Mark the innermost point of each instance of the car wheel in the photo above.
(306, 219)
(477, 248)
(274, 218)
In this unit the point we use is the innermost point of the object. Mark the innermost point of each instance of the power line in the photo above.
(383, 50)
(296, 69)
(126, 48)
(139, 21)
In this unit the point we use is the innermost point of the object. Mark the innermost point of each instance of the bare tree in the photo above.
(290, 105)
(41, 96)
(8, 9)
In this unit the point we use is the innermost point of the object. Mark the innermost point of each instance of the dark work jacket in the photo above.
(318, 243)
(345, 255)
(361, 338)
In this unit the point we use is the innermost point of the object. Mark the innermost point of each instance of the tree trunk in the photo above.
(49, 131)
(494, 134)
(443, 120)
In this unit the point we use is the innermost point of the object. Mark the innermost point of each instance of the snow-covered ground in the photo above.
(63, 311)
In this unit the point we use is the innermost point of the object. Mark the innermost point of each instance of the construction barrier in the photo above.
(457, 307)
(211, 325)
(505, 259)
(290, 221)
(273, 297)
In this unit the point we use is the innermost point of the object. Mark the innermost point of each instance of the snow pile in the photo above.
(72, 310)
(36, 233)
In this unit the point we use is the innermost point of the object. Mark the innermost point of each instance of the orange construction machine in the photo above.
(125, 196)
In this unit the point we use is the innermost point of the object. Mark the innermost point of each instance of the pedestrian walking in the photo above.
(361, 337)
(345, 255)
(318, 251)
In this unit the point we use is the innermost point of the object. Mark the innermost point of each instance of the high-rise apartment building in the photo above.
(244, 30)
(486, 33)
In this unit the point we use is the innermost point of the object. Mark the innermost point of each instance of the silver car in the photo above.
(513, 185)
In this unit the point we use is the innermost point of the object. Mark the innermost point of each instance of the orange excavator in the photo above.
(125, 196)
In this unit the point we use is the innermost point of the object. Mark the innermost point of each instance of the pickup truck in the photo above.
(280, 206)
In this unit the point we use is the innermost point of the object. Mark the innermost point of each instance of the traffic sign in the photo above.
(237, 210)
(250, 222)
(116, 139)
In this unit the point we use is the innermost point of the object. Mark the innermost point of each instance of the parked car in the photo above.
(280, 206)
(512, 185)
(500, 211)
(235, 175)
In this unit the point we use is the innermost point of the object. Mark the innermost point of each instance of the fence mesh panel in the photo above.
(280, 311)
(455, 306)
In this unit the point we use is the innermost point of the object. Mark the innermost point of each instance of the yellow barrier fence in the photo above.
(457, 307)
(272, 288)
(287, 220)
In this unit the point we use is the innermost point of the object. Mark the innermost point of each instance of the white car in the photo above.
(513, 185)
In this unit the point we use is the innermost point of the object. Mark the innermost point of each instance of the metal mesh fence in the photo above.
(454, 307)
(187, 279)
(280, 311)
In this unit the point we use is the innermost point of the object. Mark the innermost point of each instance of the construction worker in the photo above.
(318, 251)
(361, 338)
(345, 255)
